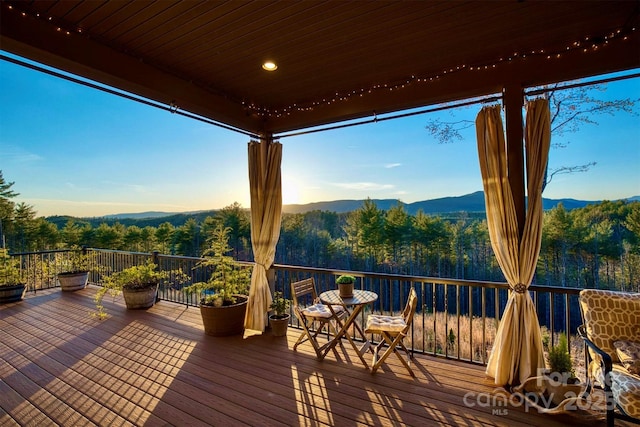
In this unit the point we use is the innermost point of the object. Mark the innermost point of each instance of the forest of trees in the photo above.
(597, 246)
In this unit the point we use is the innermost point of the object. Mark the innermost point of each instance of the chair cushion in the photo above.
(610, 316)
(321, 310)
(629, 355)
(626, 392)
(624, 386)
(379, 323)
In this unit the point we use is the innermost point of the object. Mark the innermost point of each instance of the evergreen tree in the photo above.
(133, 238)
(187, 238)
(238, 221)
(364, 229)
(148, 238)
(109, 237)
(6, 207)
(71, 233)
(24, 228)
(47, 235)
(164, 237)
(396, 234)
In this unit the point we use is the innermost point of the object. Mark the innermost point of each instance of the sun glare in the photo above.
(290, 192)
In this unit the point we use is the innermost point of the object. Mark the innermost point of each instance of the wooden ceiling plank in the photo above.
(200, 29)
(53, 8)
(298, 52)
(122, 17)
(161, 21)
(388, 47)
(154, 37)
(178, 29)
(217, 51)
(127, 20)
(92, 22)
(79, 11)
(238, 41)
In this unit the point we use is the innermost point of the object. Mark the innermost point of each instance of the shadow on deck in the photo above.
(60, 366)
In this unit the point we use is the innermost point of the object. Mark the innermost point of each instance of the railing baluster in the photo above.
(567, 318)
(434, 308)
(552, 329)
(422, 310)
(470, 297)
(484, 327)
(458, 320)
(42, 268)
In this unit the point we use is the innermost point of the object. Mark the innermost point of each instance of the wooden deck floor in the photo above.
(59, 366)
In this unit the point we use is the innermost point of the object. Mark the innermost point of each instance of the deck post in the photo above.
(513, 97)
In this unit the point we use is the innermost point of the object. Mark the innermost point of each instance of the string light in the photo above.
(592, 44)
(588, 43)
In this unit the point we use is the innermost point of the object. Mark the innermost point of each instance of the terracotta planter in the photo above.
(345, 290)
(11, 293)
(279, 325)
(73, 281)
(225, 320)
(140, 298)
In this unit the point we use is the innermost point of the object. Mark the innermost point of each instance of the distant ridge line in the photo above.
(472, 203)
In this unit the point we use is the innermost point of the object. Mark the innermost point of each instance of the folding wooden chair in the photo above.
(393, 330)
(312, 314)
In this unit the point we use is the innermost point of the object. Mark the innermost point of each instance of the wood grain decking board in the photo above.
(156, 367)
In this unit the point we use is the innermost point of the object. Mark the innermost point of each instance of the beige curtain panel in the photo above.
(517, 351)
(266, 210)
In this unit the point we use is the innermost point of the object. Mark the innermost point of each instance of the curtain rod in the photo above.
(494, 98)
(377, 119)
(172, 109)
(581, 84)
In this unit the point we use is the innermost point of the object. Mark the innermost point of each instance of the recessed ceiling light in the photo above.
(269, 66)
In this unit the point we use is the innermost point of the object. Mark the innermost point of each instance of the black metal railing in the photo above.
(39, 270)
(456, 319)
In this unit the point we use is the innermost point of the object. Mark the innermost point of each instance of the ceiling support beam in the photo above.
(513, 96)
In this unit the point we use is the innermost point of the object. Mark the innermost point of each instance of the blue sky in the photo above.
(72, 150)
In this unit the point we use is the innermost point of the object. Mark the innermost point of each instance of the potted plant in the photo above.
(76, 267)
(560, 363)
(138, 285)
(12, 286)
(562, 378)
(557, 387)
(223, 302)
(345, 285)
(279, 320)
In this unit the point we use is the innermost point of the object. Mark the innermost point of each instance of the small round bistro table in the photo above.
(357, 303)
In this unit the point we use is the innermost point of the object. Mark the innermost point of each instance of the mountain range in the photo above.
(473, 203)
